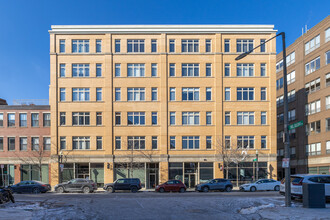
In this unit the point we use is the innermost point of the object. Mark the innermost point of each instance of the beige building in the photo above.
(157, 101)
(308, 78)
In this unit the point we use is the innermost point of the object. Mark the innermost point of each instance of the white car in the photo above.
(263, 184)
(297, 181)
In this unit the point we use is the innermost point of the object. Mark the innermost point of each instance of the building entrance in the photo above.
(190, 180)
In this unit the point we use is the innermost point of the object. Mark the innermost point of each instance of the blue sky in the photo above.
(24, 25)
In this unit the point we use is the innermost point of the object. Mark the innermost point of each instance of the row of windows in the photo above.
(246, 118)
(81, 143)
(138, 46)
(187, 70)
(80, 118)
(291, 98)
(80, 94)
(24, 145)
(23, 122)
(290, 59)
(315, 149)
(291, 116)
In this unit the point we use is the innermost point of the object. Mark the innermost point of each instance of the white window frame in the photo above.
(136, 94)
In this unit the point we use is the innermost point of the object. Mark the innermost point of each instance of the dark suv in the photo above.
(132, 184)
(76, 185)
(215, 184)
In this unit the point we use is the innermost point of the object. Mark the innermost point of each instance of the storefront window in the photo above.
(7, 175)
(205, 172)
(97, 173)
(31, 172)
(176, 171)
(68, 172)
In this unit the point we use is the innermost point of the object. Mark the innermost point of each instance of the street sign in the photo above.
(285, 162)
(296, 125)
(255, 160)
(61, 167)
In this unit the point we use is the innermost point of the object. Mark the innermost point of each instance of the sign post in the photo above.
(3, 182)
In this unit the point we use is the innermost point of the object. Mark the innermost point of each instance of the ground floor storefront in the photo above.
(151, 174)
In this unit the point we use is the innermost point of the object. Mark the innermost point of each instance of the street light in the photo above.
(286, 125)
(60, 160)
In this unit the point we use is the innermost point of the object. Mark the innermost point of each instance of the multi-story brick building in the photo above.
(24, 143)
(161, 97)
(308, 78)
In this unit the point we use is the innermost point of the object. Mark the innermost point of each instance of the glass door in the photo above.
(190, 180)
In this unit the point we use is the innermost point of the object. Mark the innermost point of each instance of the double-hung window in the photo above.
(190, 142)
(135, 94)
(227, 69)
(190, 94)
(117, 94)
(118, 118)
(98, 94)
(46, 119)
(263, 93)
(263, 45)
(11, 119)
(227, 142)
(117, 70)
(190, 46)
(190, 69)
(312, 44)
(62, 118)
(263, 142)
(154, 143)
(291, 95)
(99, 143)
(98, 118)
(292, 115)
(62, 94)
(245, 141)
(208, 46)
(154, 118)
(135, 70)
(245, 69)
(172, 69)
(227, 45)
(1, 143)
(172, 46)
(11, 144)
(80, 70)
(80, 94)
(23, 144)
(279, 83)
(245, 118)
(245, 94)
(154, 94)
(313, 127)
(208, 118)
(263, 118)
(313, 86)
(62, 143)
(172, 94)
(80, 118)
(80, 46)
(244, 45)
(35, 143)
(135, 46)
(172, 118)
(327, 57)
(227, 118)
(327, 34)
(35, 119)
(208, 142)
(136, 142)
(312, 66)
(227, 94)
(172, 142)
(46, 143)
(23, 120)
(62, 46)
(153, 46)
(154, 70)
(117, 46)
(208, 94)
(291, 58)
(118, 143)
(263, 69)
(62, 70)
(208, 69)
(80, 143)
(1, 119)
(98, 46)
(291, 77)
(190, 118)
(313, 107)
(98, 70)
(136, 118)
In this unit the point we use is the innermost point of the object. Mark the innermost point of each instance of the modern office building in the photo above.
(24, 143)
(159, 102)
(308, 79)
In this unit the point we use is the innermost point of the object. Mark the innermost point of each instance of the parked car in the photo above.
(171, 186)
(132, 184)
(215, 184)
(30, 187)
(263, 184)
(297, 181)
(76, 185)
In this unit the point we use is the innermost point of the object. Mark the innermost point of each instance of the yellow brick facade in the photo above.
(159, 161)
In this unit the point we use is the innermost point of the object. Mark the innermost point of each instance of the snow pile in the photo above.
(254, 209)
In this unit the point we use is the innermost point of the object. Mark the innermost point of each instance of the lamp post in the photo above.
(60, 160)
(286, 139)
(257, 159)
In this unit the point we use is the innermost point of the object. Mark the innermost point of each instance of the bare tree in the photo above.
(229, 153)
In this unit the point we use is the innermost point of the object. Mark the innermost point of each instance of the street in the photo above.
(151, 205)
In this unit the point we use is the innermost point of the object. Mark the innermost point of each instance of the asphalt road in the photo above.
(141, 205)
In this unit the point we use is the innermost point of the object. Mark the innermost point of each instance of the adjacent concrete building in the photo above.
(308, 78)
(157, 102)
(24, 143)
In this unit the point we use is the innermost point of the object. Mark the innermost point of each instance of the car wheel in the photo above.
(228, 189)
(277, 188)
(182, 190)
(161, 190)
(86, 189)
(110, 189)
(60, 189)
(253, 189)
(205, 189)
(36, 191)
(134, 189)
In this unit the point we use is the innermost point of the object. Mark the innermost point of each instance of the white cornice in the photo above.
(99, 29)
